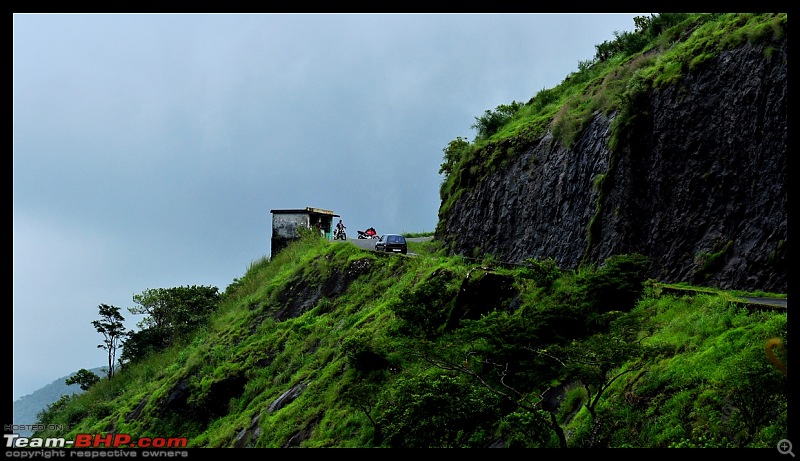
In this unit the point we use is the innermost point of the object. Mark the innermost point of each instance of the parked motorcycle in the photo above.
(368, 234)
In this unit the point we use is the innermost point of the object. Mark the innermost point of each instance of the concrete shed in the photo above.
(286, 222)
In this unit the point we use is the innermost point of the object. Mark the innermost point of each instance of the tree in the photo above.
(597, 361)
(84, 378)
(175, 311)
(113, 330)
(455, 151)
(518, 357)
(172, 314)
(140, 343)
(364, 395)
(437, 411)
(497, 353)
(529, 402)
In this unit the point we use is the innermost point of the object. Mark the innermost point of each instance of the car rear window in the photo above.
(396, 239)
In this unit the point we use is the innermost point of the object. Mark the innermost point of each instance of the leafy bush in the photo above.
(426, 308)
(617, 284)
(361, 354)
(492, 120)
(524, 429)
(543, 272)
(456, 150)
(438, 411)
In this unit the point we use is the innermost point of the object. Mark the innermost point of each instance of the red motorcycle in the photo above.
(368, 234)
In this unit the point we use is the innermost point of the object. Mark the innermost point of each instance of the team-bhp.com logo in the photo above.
(94, 441)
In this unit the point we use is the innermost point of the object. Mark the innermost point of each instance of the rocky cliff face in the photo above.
(698, 184)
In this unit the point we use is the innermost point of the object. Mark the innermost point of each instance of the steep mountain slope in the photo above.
(694, 177)
(330, 345)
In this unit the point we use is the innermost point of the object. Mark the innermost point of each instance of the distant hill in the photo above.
(28, 406)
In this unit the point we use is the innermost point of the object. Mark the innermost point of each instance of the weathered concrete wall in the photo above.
(284, 229)
(284, 225)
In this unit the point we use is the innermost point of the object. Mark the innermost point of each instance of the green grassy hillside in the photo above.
(329, 345)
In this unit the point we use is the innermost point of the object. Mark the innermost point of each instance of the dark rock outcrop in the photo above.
(300, 295)
(697, 184)
(246, 437)
(287, 397)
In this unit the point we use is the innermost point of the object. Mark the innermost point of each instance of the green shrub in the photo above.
(426, 308)
(361, 354)
(617, 284)
(492, 120)
(544, 272)
(438, 411)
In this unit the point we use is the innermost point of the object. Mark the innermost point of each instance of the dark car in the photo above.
(392, 243)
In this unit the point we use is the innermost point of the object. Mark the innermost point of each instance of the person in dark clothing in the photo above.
(338, 233)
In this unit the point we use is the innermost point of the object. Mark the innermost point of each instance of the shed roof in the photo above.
(308, 209)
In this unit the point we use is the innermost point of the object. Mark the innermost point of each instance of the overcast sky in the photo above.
(149, 149)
